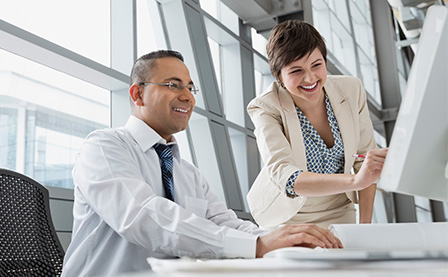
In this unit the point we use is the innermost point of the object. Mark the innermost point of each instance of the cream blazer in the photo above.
(280, 142)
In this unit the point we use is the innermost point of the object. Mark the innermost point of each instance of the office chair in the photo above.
(29, 245)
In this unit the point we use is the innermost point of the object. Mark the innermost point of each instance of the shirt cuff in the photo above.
(238, 244)
(290, 184)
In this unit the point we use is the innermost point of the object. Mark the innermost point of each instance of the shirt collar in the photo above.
(146, 137)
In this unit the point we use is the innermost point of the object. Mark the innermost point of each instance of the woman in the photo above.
(308, 127)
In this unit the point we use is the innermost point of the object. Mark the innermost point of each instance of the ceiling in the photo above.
(262, 15)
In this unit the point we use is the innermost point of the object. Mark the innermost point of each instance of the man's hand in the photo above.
(305, 235)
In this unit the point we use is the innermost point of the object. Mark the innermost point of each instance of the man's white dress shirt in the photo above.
(121, 216)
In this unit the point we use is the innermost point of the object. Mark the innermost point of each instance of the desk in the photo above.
(424, 268)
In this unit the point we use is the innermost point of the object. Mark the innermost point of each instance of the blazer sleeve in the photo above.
(267, 199)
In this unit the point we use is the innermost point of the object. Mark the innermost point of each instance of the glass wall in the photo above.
(222, 13)
(262, 72)
(365, 44)
(47, 110)
(81, 26)
(332, 21)
(226, 57)
(258, 42)
(347, 29)
(55, 84)
(150, 36)
(69, 77)
(205, 153)
(45, 114)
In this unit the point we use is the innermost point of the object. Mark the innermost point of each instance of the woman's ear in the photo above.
(279, 81)
(136, 94)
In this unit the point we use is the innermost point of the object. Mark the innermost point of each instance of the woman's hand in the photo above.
(305, 235)
(371, 168)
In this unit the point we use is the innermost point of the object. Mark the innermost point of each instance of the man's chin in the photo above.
(180, 129)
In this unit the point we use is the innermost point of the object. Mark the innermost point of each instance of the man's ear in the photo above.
(135, 91)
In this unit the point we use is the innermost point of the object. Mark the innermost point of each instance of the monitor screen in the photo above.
(417, 160)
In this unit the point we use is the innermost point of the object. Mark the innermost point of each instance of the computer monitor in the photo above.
(417, 160)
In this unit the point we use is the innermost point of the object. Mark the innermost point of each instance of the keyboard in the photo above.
(302, 253)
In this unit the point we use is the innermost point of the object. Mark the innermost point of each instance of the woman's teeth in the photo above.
(310, 87)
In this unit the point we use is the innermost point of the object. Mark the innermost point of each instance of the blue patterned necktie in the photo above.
(166, 157)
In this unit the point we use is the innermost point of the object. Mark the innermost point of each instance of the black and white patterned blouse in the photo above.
(319, 158)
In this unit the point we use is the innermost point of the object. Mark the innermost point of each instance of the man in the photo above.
(124, 177)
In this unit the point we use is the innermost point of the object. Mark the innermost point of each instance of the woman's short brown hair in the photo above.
(290, 41)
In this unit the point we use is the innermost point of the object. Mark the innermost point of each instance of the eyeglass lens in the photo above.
(177, 86)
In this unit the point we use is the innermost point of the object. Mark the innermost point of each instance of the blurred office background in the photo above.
(64, 69)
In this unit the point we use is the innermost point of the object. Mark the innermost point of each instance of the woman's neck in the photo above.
(311, 107)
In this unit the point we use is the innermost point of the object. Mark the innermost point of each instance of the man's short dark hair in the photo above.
(290, 41)
(144, 66)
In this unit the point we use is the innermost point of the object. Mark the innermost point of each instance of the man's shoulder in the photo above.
(110, 136)
(107, 132)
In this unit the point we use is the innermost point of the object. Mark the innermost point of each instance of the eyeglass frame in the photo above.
(194, 90)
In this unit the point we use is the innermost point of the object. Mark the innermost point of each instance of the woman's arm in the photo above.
(314, 184)
(274, 138)
(366, 199)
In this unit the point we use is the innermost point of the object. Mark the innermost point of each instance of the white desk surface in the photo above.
(424, 268)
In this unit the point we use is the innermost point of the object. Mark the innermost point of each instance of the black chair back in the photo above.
(29, 245)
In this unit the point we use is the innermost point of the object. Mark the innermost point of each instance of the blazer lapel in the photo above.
(344, 116)
(291, 125)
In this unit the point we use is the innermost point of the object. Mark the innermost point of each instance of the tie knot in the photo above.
(164, 151)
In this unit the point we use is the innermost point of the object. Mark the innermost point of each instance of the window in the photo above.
(205, 153)
(150, 36)
(423, 209)
(336, 32)
(263, 76)
(8, 136)
(222, 13)
(81, 26)
(215, 50)
(369, 75)
(339, 8)
(42, 123)
(352, 52)
(211, 7)
(225, 52)
(239, 149)
(362, 27)
(184, 146)
(259, 42)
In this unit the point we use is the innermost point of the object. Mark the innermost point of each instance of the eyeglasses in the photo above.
(174, 86)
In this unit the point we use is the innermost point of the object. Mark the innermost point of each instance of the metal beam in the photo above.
(390, 89)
